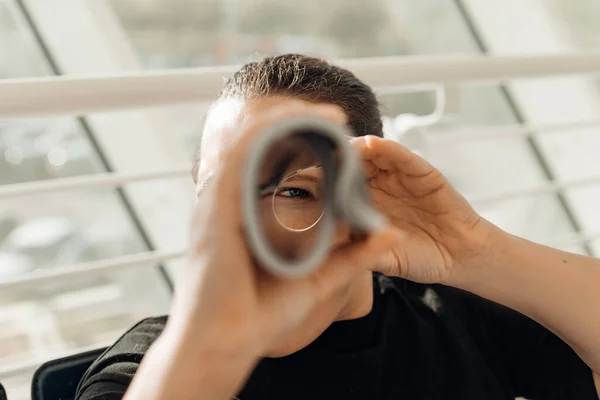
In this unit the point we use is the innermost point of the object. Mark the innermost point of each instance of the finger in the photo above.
(346, 261)
(370, 169)
(388, 155)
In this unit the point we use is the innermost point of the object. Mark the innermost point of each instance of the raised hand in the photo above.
(438, 232)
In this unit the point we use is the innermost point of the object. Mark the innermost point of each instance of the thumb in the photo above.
(358, 256)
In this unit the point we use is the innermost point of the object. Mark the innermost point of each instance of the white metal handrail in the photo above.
(439, 138)
(110, 180)
(90, 269)
(535, 190)
(116, 179)
(151, 258)
(455, 136)
(21, 98)
(92, 181)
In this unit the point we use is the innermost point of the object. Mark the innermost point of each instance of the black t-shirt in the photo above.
(418, 342)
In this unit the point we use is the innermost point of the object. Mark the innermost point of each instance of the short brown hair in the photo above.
(311, 79)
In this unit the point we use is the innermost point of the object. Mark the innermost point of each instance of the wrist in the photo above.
(225, 334)
(175, 367)
(485, 247)
(223, 346)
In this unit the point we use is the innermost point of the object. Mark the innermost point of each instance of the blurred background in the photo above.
(57, 230)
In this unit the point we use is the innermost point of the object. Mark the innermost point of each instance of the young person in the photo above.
(441, 304)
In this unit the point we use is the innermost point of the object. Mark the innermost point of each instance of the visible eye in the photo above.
(295, 193)
(303, 185)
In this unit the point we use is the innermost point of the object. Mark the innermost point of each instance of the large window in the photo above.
(581, 20)
(187, 33)
(569, 153)
(54, 230)
(43, 233)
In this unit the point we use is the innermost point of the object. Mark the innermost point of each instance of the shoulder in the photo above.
(134, 343)
(120, 361)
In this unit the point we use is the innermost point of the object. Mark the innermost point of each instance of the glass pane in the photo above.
(581, 18)
(214, 32)
(182, 34)
(55, 230)
(18, 54)
(573, 152)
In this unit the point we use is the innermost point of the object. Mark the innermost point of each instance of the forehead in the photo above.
(221, 125)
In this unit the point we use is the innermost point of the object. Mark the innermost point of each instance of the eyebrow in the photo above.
(303, 179)
(298, 177)
(273, 184)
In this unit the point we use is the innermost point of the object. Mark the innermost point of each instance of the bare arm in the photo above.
(555, 288)
(443, 240)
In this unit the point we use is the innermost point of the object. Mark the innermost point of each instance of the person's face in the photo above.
(290, 208)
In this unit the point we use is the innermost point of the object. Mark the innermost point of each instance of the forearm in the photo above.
(177, 369)
(555, 288)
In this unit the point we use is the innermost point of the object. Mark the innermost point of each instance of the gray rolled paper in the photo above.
(345, 194)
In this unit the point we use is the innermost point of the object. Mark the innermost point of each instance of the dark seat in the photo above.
(2, 393)
(58, 379)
